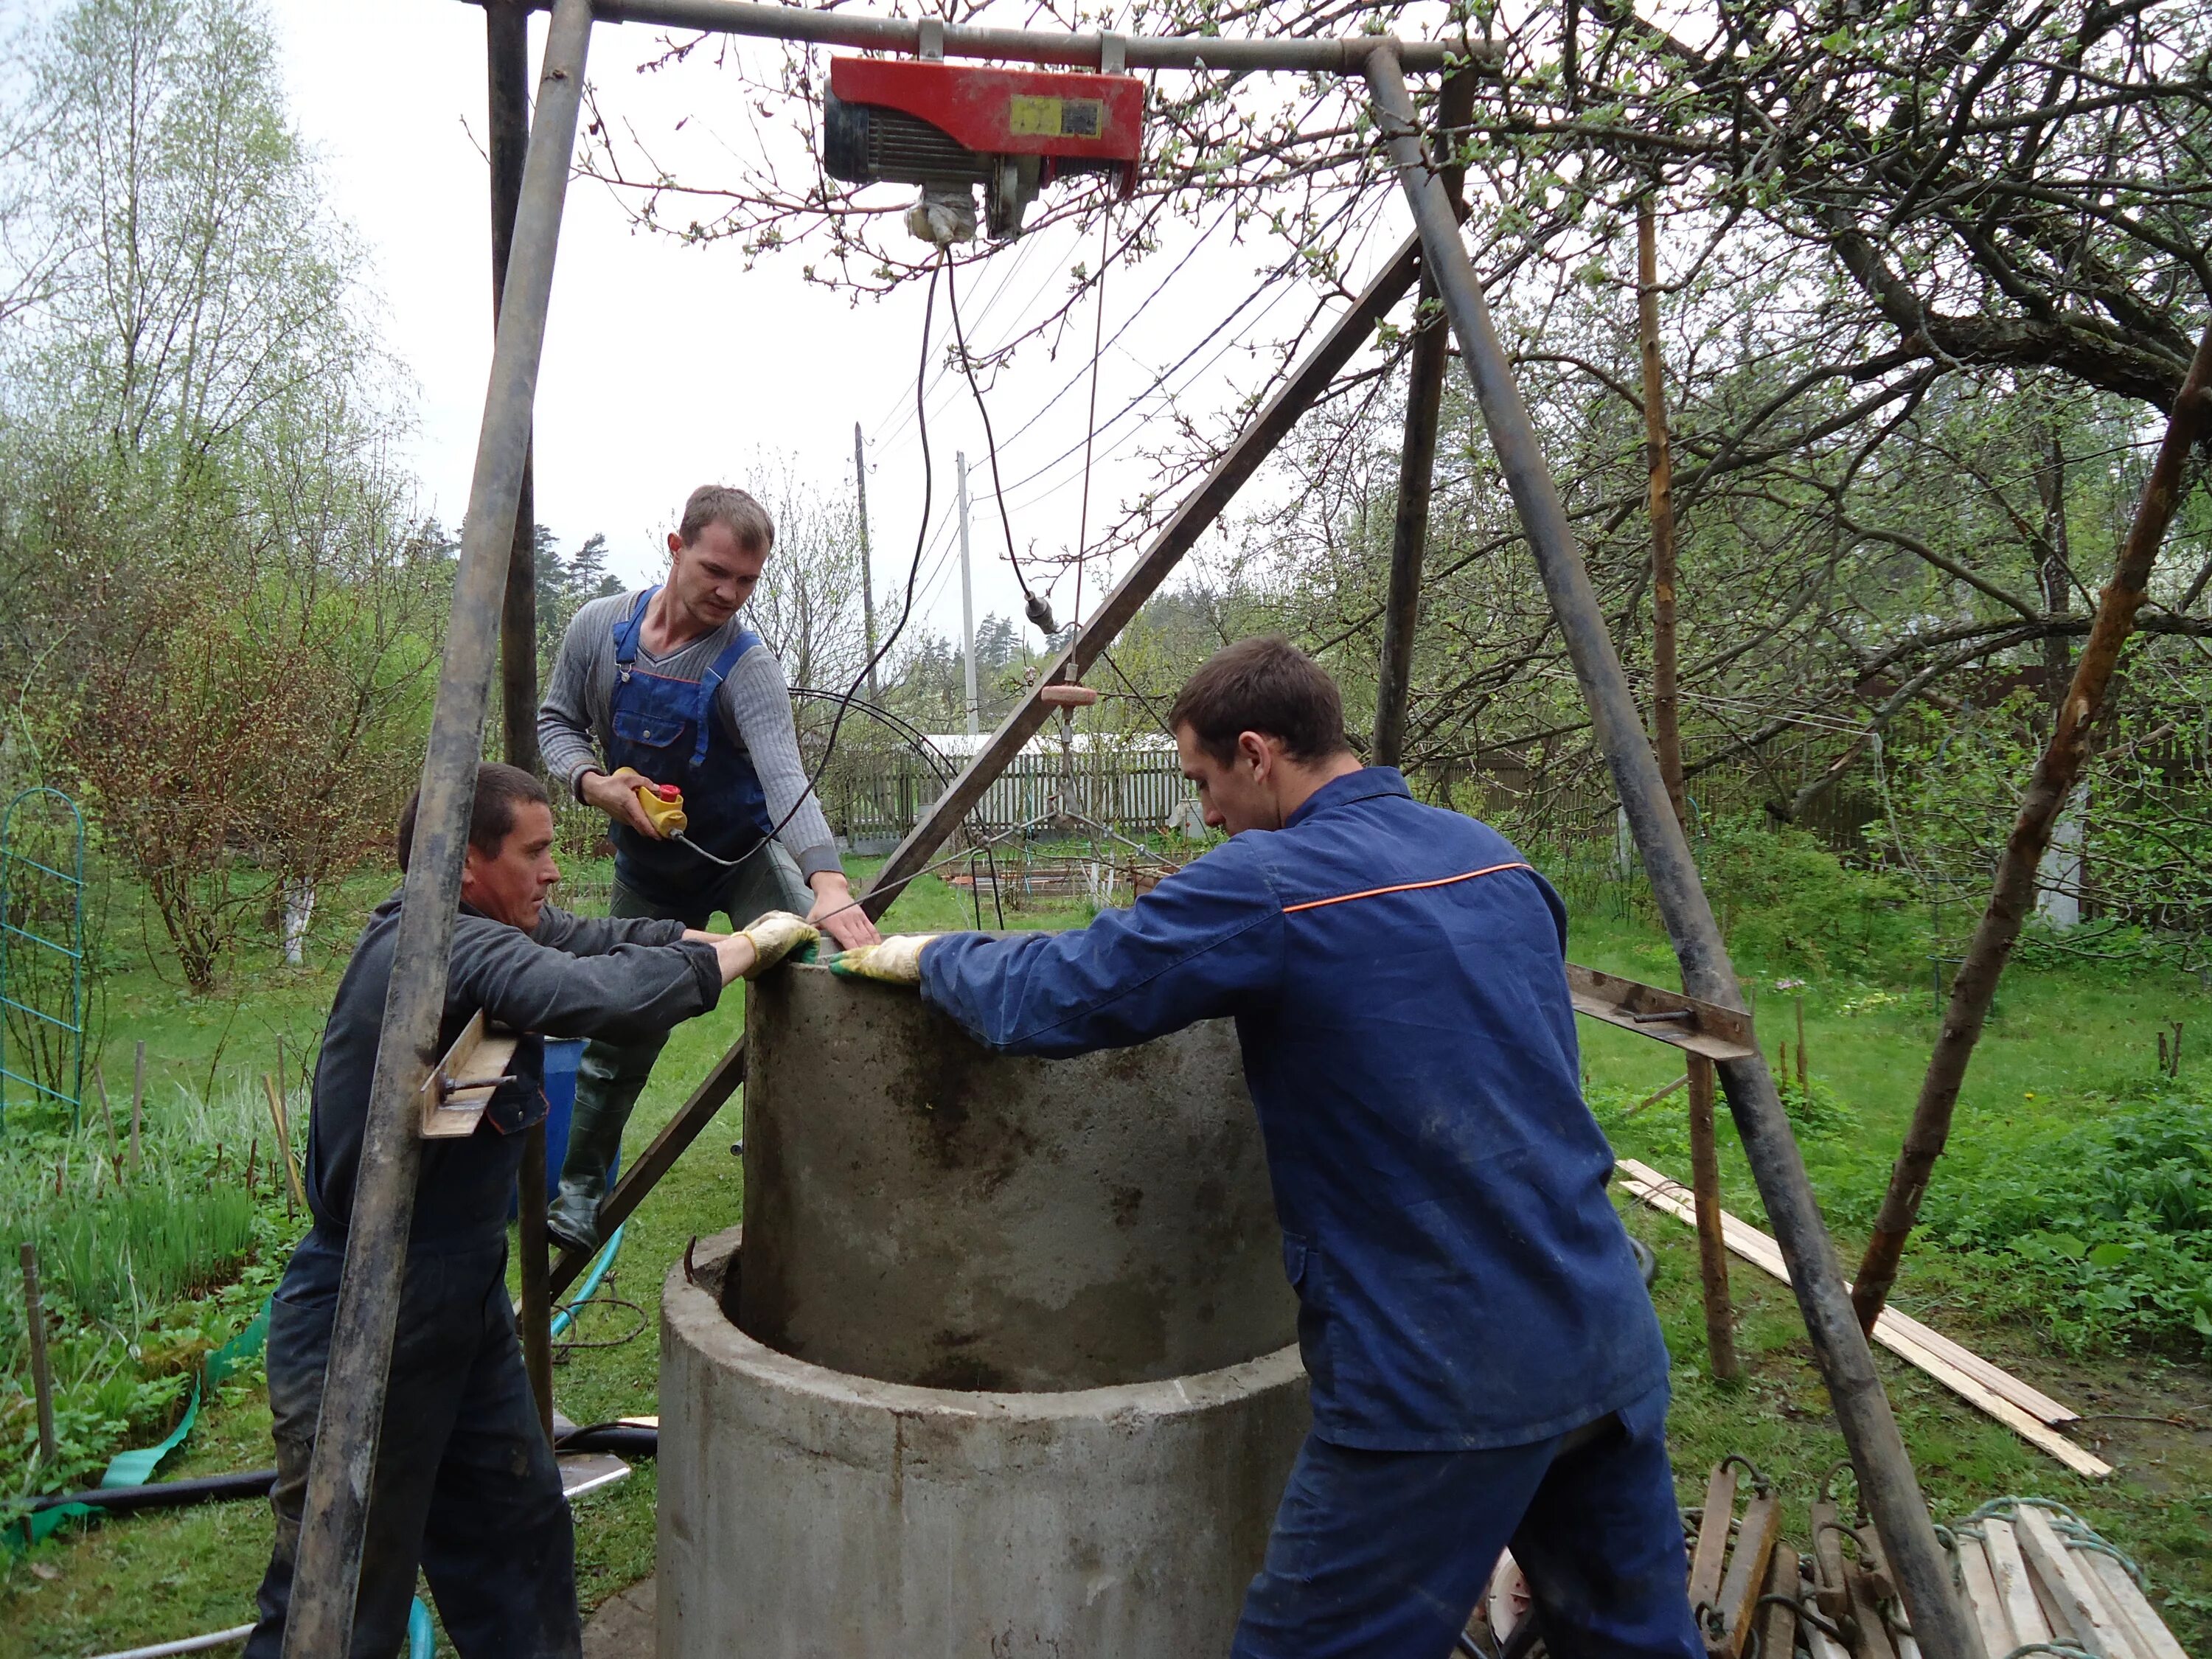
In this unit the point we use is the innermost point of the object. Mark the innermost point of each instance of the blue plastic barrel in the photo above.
(562, 1055)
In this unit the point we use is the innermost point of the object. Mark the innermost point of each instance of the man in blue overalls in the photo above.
(1486, 1368)
(666, 687)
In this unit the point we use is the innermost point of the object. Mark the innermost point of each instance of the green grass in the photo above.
(2063, 1043)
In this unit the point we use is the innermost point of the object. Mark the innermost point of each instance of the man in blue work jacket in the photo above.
(1486, 1368)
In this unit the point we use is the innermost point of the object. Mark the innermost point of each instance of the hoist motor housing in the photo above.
(919, 122)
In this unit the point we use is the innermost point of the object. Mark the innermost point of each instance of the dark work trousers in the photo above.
(612, 1075)
(464, 1484)
(1382, 1554)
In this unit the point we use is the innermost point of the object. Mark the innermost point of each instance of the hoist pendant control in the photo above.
(913, 121)
(664, 804)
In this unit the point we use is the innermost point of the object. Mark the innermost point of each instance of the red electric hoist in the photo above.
(950, 127)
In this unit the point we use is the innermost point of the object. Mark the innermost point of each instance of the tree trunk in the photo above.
(2056, 775)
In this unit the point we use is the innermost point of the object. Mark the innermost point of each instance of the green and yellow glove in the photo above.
(896, 961)
(775, 936)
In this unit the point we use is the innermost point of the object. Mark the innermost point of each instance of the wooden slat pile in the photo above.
(2026, 1411)
(2035, 1578)
(2031, 1579)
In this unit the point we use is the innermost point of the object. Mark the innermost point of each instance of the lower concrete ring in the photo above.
(808, 1514)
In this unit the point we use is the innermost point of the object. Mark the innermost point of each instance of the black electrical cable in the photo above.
(1039, 611)
(913, 571)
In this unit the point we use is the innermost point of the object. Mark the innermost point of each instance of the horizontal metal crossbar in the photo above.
(58, 875)
(18, 1077)
(1091, 50)
(35, 1013)
(40, 939)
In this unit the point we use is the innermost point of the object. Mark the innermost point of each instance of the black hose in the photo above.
(165, 1494)
(628, 1439)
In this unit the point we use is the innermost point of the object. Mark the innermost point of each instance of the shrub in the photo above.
(1788, 902)
(2103, 1231)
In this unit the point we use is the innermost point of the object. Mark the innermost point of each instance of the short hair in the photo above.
(500, 790)
(746, 519)
(1265, 685)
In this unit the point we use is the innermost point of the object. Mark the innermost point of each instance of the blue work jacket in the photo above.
(1397, 973)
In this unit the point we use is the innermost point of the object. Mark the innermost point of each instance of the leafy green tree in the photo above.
(222, 619)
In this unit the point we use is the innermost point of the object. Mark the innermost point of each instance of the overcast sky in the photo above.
(667, 366)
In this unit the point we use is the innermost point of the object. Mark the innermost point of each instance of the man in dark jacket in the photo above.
(464, 1484)
(1487, 1369)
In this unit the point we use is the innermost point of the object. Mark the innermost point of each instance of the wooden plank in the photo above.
(1711, 1555)
(1894, 1330)
(1830, 1587)
(1746, 1573)
(2125, 1643)
(1996, 1378)
(2081, 1612)
(2126, 1600)
(1984, 1601)
(1776, 1620)
(2023, 1612)
(1902, 1337)
(1873, 1639)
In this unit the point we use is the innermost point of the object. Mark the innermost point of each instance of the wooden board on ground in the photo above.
(2026, 1411)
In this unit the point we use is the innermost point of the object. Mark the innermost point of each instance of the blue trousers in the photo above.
(464, 1484)
(1382, 1554)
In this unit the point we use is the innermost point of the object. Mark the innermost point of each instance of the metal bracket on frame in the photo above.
(1701, 1028)
(929, 40)
(453, 1103)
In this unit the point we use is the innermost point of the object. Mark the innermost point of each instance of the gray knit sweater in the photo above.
(755, 705)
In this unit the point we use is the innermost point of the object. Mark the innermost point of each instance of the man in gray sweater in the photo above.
(666, 688)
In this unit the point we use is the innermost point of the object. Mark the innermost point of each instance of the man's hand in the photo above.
(775, 936)
(768, 940)
(616, 794)
(896, 961)
(837, 915)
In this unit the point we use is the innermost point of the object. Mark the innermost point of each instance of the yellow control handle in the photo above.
(664, 804)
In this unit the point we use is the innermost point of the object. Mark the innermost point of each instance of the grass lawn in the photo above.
(2061, 1041)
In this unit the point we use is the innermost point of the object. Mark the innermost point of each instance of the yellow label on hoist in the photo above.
(1055, 118)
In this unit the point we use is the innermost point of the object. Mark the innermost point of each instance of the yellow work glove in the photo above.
(775, 936)
(896, 961)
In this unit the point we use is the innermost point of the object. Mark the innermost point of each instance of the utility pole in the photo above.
(967, 595)
(1667, 740)
(867, 578)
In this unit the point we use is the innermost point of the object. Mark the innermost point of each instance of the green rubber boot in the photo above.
(609, 1079)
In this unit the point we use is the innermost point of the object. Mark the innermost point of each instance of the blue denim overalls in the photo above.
(665, 728)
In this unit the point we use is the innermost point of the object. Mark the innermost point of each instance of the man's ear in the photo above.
(1254, 750)
(675, 544)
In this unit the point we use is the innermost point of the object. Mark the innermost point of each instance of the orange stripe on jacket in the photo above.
(1402, 887)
